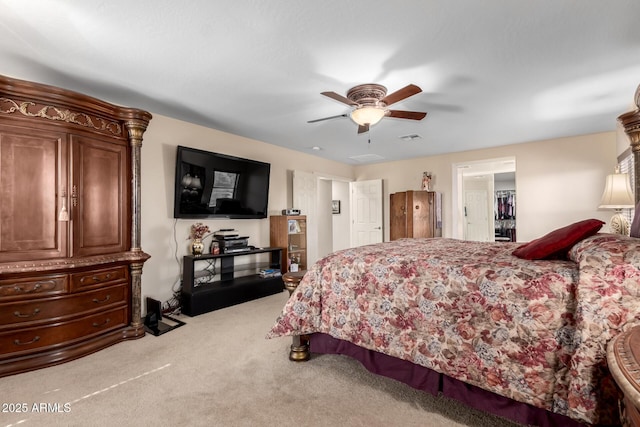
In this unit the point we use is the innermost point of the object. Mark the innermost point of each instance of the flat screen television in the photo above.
(212, 185)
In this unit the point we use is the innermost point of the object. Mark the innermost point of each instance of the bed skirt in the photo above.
(433, 382)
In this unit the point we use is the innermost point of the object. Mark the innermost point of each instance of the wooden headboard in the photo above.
(631, 123)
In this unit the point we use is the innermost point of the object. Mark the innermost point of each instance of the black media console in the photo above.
(223, 280)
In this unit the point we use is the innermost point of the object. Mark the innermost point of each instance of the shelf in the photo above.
(227, 287)
(290, 232)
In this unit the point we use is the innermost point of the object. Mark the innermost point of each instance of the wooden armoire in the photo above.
(415, 214)
(70, 255)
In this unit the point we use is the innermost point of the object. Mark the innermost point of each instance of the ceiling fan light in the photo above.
(367, 115)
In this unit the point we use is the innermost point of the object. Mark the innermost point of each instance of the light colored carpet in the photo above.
(219, 370)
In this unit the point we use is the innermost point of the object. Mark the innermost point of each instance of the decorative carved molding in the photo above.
(70, 263)
(622, 353)
(50, 112)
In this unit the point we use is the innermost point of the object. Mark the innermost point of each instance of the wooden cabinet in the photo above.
(290, 232)
(70, 256)
(415, 214)
(623, 359)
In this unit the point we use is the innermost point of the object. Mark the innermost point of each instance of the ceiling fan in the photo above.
(370, 102)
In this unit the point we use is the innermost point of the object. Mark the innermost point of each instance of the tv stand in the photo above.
(220, 281)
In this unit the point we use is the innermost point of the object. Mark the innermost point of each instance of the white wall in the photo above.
(325, 221)
(165, 238)
(558, 181)
(341, 223)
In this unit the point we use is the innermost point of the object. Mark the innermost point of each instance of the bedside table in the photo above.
(623, 357)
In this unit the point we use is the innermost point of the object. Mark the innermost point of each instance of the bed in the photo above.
(495, 325)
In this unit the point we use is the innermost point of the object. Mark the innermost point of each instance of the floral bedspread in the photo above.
(533, 331)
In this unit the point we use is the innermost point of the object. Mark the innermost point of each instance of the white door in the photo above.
(476, 219)
(366, 212)
(305, 196)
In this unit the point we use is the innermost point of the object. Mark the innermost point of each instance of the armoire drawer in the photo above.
(31, 287)
(20, 313)
(95, 278)
(32, 339)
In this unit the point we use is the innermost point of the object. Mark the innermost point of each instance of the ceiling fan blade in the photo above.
(411, 115)
(401, 94)
(328, 118)
(363, 128)
(340, 98)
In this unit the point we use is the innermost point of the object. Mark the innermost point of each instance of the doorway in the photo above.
(477, 188)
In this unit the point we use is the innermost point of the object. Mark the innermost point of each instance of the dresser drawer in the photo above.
(32, 339)
(20, 313)
(97, 278)
(31, 287)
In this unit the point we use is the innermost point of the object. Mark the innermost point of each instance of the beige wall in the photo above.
(557, 181)
(165, 238)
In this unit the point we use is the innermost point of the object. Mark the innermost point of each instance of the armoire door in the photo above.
(99, 193)
(398, 215)
(420, 213)
(33, 181)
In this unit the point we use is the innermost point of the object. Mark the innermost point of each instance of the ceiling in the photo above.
(493, 72)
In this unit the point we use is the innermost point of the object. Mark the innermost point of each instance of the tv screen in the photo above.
(212, 185)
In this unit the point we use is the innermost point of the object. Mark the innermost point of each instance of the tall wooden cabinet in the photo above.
(289, 232)
(70, 255)
(415, 214)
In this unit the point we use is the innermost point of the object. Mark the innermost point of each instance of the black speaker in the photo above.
(153, 319)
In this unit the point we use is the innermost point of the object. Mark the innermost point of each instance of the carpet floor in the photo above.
(219, 370)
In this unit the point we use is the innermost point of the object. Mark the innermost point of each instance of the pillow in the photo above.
(556, 243)
(634, 231)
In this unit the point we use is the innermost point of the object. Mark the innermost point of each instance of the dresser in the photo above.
(623, 358)
(70, 255)
(415, 214)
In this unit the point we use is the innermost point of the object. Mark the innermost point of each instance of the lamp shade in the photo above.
(617, 192)
(196, 183)
(367, 115)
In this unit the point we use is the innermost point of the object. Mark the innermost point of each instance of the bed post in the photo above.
(300, 343)
(631, 123)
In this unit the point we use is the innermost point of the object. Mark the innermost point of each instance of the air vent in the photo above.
(364, 158)
(410, 137)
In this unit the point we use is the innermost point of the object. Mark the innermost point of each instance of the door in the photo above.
(99, 192)
(33, 181)
(366, 212)
(476, 218)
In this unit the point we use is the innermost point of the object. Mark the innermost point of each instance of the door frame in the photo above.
(463, 169)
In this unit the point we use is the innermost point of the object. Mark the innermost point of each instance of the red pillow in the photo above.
(556, 243)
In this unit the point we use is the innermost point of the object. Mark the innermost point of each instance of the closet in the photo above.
(70, 255)
(505, 215)
(415, 214)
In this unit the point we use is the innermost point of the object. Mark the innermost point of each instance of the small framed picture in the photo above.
(335, 206)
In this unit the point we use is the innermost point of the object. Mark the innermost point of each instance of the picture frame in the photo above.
(335, 207)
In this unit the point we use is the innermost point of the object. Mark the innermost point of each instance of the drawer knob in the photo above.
(100, 301)
(35, 339)
(23, 315)
(101, 324)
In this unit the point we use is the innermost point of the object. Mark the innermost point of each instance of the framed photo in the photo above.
(335, 206)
